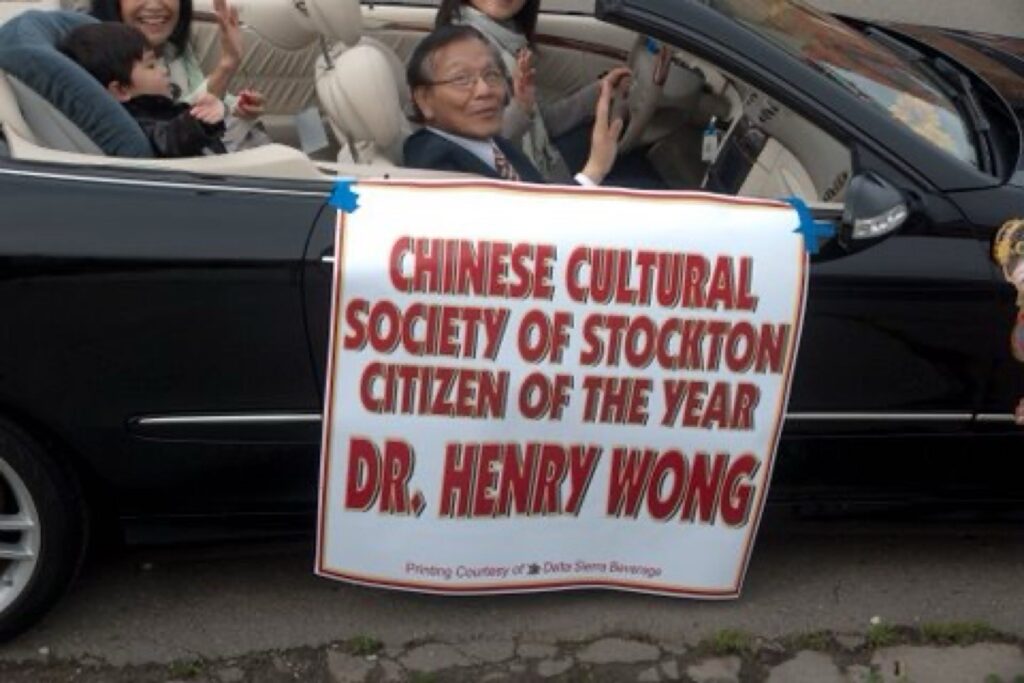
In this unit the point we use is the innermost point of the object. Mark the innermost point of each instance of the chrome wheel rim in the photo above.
(19, 535)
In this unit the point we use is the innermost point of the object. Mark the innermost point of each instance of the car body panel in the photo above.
(179, 324)
(154, 300)
(883, 333)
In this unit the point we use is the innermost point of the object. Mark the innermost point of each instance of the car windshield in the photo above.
(864, 67)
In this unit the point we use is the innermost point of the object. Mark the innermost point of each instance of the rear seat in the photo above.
(62, 114)
(12, 8)
(281, 48)
(285, 77)
(61, 105)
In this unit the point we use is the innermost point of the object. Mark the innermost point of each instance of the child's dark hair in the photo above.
(107, 50)
(525, 19)
(110, 10)
(420, 71)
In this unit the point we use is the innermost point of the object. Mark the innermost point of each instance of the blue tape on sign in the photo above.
(652, 45)
(811, 229)
(343, 197)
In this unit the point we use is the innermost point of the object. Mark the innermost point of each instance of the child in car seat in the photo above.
(120, 58)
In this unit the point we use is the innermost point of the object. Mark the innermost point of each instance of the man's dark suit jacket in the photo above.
(426, 149)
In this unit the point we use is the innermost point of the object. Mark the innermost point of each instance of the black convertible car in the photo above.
(165, 322)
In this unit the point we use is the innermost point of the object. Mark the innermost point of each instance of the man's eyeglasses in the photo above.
(493, 78)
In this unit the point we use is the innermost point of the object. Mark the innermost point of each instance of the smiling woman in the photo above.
(158, 20)
(166, 23)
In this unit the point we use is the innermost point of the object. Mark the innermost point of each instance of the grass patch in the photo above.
(883, 635)
(996, 678)
(728, 642)
(422, 677)
(363, 646)
(958, 633)
(819, 641)
(190, 668)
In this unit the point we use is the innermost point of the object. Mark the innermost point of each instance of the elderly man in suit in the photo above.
(460, 90)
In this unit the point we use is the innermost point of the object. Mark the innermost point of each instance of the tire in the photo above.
(43, 530)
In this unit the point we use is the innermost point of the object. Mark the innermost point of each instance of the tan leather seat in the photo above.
(280, 48)
(29, 114)
(778, 173)
(22, 111)
(362, 91)
(12, 8)
(365, 100)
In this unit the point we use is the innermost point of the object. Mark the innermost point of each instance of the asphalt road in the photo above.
(159, 605)
(141, 606)
(992, 16)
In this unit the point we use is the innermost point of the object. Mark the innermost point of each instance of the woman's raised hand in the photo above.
(230, 34)
(230, 48)
(524, 87)
(604, 138)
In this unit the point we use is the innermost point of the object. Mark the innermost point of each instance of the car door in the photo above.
(884, 346)
(890, 344)
(157, 331)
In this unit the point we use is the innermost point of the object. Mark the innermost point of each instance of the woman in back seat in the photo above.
(165, 23)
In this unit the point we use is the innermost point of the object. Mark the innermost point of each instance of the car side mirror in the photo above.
(873, 209)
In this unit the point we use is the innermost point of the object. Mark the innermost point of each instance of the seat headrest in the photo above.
(284, 25)
(28, 51)
(365, 98)
(294, 24)
(337, 20)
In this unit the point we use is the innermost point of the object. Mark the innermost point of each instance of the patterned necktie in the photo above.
(502, 165)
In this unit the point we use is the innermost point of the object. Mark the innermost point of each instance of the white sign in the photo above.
(536, 388)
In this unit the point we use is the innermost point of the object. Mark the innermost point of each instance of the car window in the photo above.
(861, 66)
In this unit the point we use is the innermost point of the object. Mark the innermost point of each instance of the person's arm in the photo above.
(604, 139)
(515, 122)
(230, 49)
(522, 106)
(248, 104)
(187, 135)
(230, 101)
(182, 136)
(187, 74)
(564, 114)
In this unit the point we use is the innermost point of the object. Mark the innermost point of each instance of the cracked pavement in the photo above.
(254, 609)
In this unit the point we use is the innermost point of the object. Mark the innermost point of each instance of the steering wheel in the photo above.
(649, 62)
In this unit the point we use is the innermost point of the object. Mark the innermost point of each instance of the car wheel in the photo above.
(42, 530)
